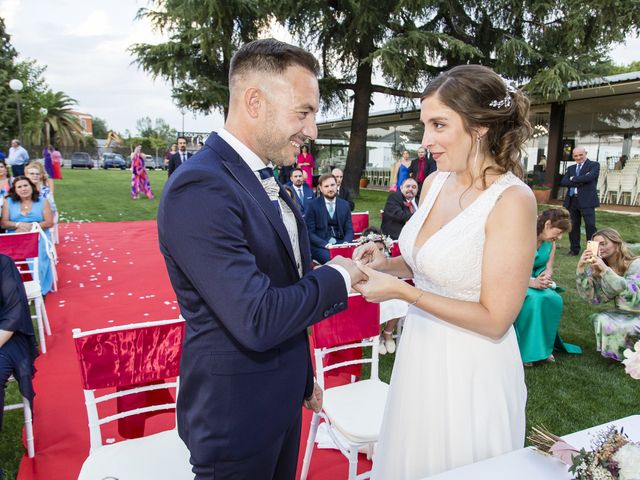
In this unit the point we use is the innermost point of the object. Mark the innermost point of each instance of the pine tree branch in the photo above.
(397, 92)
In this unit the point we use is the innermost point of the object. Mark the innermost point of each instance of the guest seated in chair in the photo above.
(18, 348)
(343, 192)
(23, 208)
(328, 219)
(34, 171)
(393, 309)
(611, 275)
(303, 193)
(400, 206)
(537, 323)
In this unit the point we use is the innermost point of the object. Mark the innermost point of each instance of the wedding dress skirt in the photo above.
(456, 397)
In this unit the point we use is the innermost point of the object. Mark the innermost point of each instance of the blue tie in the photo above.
(266, 173)
(574, 190)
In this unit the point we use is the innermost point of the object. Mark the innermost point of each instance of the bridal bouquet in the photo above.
(612, 456)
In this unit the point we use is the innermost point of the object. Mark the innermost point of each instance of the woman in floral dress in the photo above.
(139, 177)
(613, 275)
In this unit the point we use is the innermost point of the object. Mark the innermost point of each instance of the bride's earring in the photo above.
(475, 158)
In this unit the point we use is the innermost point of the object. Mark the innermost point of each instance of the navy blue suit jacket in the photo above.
(306, 192)
(317, 219)
(175, 161)
(245, 366)
(587, 183)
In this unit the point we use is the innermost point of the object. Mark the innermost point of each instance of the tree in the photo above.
(203, 35)
(100, 128)
(405, 43)
(152, 135)
(58, 125)
(8, 119)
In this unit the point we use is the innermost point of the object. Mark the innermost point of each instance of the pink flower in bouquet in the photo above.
(632, 361)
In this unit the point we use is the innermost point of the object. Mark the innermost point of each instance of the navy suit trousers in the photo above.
(278, 462)
(577, 214)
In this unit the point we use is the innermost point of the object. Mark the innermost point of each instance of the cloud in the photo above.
(9, 11)
(96, 24)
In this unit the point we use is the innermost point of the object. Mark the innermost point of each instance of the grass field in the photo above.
(574, 393)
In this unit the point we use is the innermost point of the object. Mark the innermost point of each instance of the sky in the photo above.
(84, 45)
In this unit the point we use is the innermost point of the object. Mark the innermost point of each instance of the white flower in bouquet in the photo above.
(600, 473)
(632, 361)
(628, 459)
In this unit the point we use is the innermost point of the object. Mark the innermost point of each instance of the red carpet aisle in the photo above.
(110, 274)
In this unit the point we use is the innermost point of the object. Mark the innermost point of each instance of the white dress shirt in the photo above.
(255, 164)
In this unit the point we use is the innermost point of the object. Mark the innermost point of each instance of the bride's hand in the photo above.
(369, 254)
(379, 286)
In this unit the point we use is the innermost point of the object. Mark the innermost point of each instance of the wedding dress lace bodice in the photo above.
(450, 261)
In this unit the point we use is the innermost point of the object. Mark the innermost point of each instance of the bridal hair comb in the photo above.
(511, 88)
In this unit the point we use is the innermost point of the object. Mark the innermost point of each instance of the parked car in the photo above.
(154, 163)
(81, 159)
(113, 160)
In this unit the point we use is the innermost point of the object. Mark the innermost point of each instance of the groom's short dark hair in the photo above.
(270, 56)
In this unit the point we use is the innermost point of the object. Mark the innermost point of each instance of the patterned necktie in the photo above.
(271, 186)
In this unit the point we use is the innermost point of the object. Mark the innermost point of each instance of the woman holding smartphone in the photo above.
(612, 275)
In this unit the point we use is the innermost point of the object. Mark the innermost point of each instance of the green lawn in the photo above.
(574, 393)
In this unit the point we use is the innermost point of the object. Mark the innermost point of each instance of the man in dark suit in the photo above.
(300, 188)
(237, 253)
(328, 219)
(422, 167)
(343, 192)
(400, 205)
(284, 173)
(179, 157)
(582, 197)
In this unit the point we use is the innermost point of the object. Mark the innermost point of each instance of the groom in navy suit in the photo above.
(582, 196)
(237, 253)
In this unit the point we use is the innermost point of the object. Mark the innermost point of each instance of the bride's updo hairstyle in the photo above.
(484, 99)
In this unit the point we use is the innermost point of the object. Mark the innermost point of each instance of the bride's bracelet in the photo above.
(417, 299)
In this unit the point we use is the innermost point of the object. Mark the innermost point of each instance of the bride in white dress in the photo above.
(457, 391)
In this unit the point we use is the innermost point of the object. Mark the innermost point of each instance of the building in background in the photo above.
(602, 115)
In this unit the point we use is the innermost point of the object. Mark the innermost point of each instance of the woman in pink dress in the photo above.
(139, 177)
(306, 162)
(56, 162)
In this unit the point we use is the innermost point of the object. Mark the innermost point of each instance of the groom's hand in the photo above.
(352, 269)
(314, 402)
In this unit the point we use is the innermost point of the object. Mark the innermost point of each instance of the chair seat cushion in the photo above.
(162, 456)
(356, 409)
(32, 289)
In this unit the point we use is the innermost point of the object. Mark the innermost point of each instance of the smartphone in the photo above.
(593, 246)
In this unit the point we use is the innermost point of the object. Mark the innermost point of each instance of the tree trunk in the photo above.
(357, 156)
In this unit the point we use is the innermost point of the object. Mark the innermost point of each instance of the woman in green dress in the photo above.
(612, 275)
(537, 323)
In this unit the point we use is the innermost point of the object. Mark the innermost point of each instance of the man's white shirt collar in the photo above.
(249, 157)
